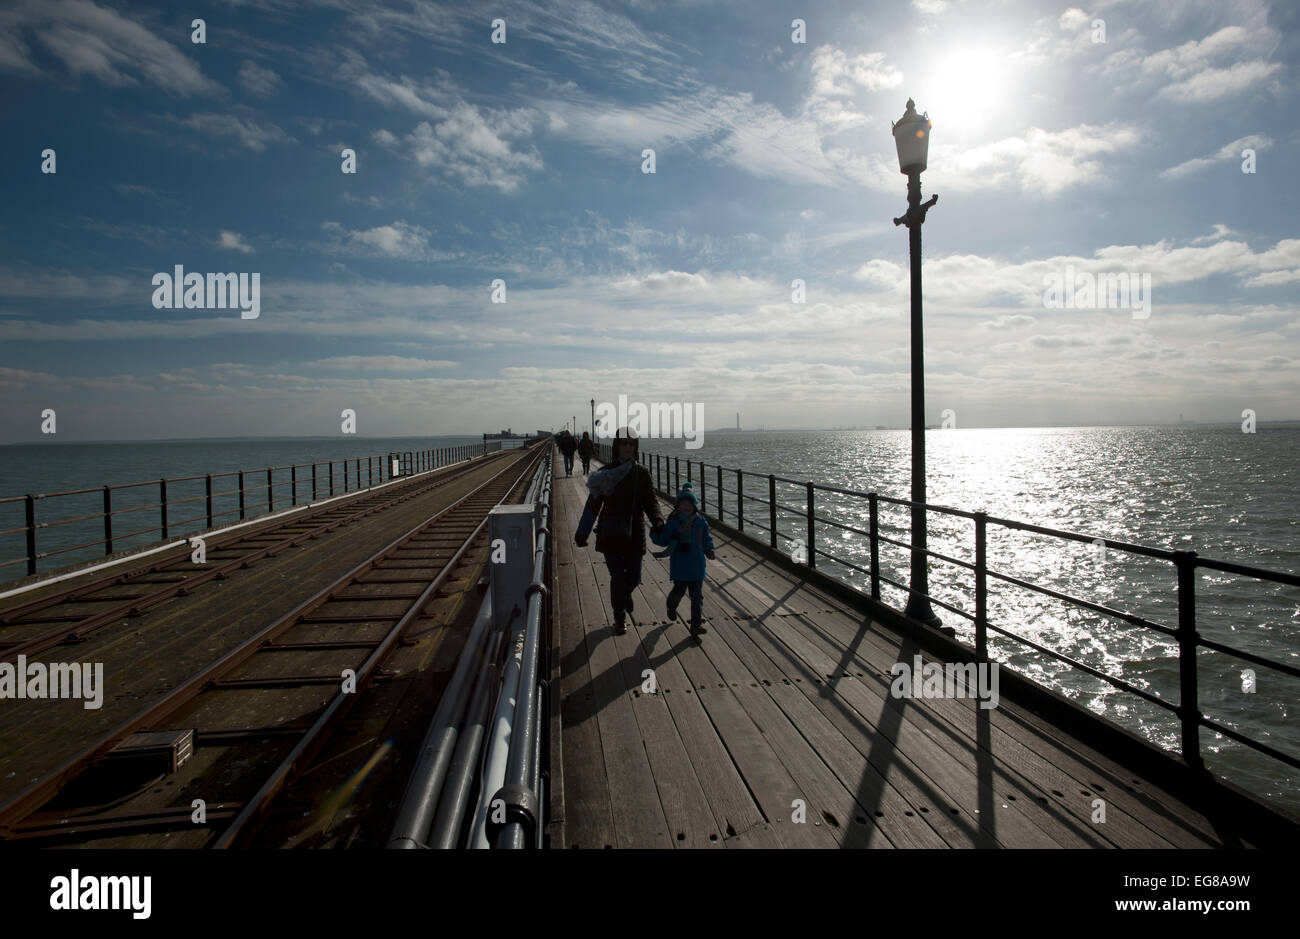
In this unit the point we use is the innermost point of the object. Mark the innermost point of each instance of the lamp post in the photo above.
(912, 138)
(593, 420)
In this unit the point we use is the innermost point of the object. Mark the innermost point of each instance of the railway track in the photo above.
(59, 620)
(390, 589)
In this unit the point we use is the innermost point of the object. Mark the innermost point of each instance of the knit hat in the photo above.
(627, 434)
(687, 492)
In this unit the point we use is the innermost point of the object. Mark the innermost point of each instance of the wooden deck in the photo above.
(785, 702)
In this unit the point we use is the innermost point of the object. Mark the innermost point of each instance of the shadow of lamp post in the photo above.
(912, 138)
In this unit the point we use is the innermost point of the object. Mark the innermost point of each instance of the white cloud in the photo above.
(1228, 153)
(248, 132)
(89, 39)
(1212, 84)
(396, 240)
(234, 242)
(1038, 161)
(257, 80)
(381, 363)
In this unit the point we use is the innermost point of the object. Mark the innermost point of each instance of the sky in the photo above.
(756, 270)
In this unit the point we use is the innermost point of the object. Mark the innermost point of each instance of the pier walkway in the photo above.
(783, 710)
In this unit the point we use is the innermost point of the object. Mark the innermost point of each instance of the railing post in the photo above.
(720, 492)
(241, 494)
(981, 586)
(740, 499)
(677, 475)
(1189, 710)
(313, 482)
(270, 492)
(162, 505)
(771, 506)
(293, 484)
(108, 520)
(31, 533)
(704, 487)
(874, 528)
(331, 477)
(207, 484)
(812, 531)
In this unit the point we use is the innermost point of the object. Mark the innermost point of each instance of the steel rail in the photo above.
(40, 791)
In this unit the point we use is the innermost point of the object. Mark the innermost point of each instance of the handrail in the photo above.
(731, 504)
(303, 488)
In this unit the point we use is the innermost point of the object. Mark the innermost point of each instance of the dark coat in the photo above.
(620, 528)
(564, 440)
(586, 447)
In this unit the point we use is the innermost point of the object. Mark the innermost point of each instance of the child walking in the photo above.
(686, 535)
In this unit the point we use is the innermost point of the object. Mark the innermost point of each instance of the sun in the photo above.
(966, 92)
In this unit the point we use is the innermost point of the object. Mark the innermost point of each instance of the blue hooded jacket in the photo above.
(688, 564)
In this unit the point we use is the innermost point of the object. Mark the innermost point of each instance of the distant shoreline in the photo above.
(719, 430)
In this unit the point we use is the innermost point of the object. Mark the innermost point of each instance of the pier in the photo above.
(363, 670)
(783, 711)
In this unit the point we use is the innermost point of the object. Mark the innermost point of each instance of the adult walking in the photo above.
(564, 440)
(618, 496)
(586, 448)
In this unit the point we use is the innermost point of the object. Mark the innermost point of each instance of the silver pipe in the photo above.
(420, 800)
(523, 748)
(460, 777)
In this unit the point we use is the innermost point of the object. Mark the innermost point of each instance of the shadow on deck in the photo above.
(784, 705)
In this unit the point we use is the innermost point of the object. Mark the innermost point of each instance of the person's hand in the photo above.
(710, 555)
(580, 540)
(657, 527)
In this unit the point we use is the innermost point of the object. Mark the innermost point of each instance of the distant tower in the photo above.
(737, 420)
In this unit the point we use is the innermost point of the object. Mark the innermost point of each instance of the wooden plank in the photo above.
(942, 766)
(639, 819)
(685, 806)
(828, 803)
(771, 786)
(847, 741)
(1043, 747)
(1080, 765)
(762, 836)
(952, 724)
(681, 796)
(588, 818)
(733, 806)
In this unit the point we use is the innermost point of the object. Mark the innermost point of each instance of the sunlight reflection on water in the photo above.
(1210, 489)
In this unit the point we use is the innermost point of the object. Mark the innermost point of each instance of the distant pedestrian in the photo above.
(619, 495)
(686, 535)
(586, 448)
(564, 440)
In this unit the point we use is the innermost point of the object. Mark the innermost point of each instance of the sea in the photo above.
(1212, 489)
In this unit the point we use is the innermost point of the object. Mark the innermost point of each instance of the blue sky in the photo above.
(522, 160)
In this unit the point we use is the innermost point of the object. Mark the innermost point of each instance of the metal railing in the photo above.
(256, 492)
(732, 505)
(480, 778)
